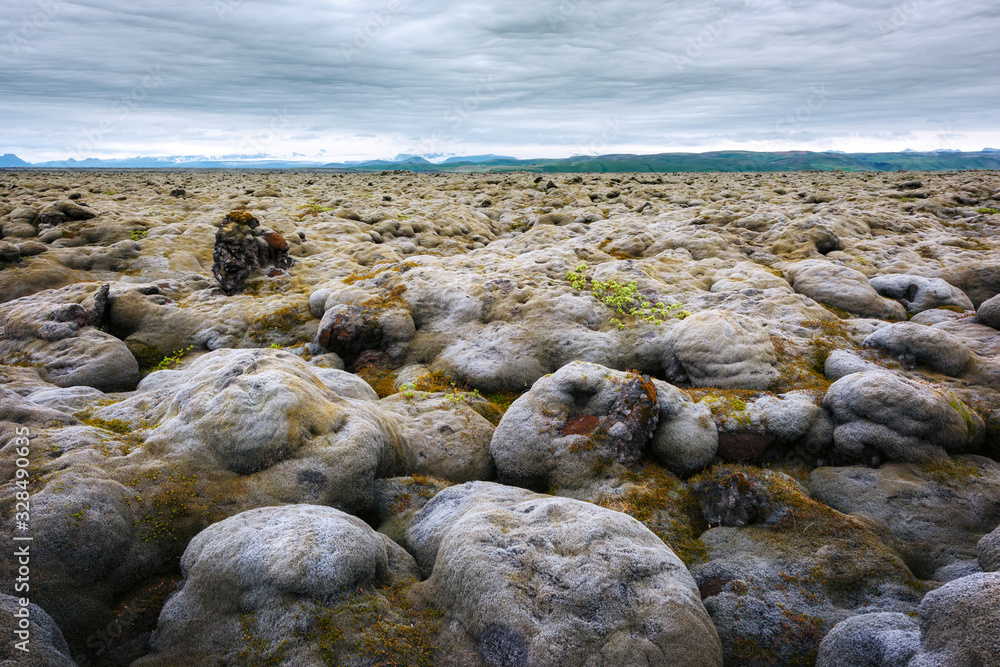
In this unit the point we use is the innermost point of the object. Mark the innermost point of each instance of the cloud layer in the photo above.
(530, 78)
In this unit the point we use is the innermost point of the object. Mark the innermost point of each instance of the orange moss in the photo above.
(398, 268)
(434, 382)
(240, 216)
(382, 380)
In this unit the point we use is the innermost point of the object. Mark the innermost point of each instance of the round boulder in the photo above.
(918, 294)
(722, 349)
(916, 343)
(841, 287)
(538, 580)
(446, 438)
(31, 637)
(264, 564)
(989, 552)
(882, 416)
(686, 438)
(960, 624)
(20, 223)
(989, 312)
(885, 639)
(841, 363)
(571, 424)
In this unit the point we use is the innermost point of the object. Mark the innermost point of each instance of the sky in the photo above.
(337, 80)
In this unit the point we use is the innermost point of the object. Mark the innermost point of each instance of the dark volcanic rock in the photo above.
(348, 331)
(243, 248)
(632, 419)
(237, 258)
(743, 447)
(732, 500)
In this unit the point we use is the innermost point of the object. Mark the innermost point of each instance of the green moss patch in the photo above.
(665, 505)
(279, 323)
(388, 626)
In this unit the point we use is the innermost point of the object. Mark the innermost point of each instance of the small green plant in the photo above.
(313, 208)
(456, 395)
(137, 234)
(988, 211)
(625, 298)
(274, 346)
(906, 200)
(171, 361)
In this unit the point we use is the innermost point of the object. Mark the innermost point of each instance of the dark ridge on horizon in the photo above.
(713, 161)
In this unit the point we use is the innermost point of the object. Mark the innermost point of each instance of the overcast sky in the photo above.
(528, 78)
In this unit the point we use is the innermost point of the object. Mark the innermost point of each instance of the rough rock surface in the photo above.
(38, 635)
(913, 343)
(571, 424)
(783, 569)
(842, 363)
(729, 302)
(69, 399)
(268, 569)
(842, 287)
(446, 438)
(686, 439)
(959, 623)
(792, 424)
(234, 430)
(267, 412)
(882, 416)
(938, 509)
(918, 293)
(722, 349)
(243, 248)
(989, 313)
(57, 333)
(871, 640)
(553, 600)
(346, 385)
(989, 552)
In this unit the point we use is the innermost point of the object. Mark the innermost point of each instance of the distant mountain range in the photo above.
(717, 161)
(11, 160)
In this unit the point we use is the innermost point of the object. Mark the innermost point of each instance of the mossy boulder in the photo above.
(260, 585)
(883, 416)
(722, 349)
(783, 568)
(531, 579)
(572, 425)
(938, 509)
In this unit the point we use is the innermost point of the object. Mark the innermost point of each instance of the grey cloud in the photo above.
(552, 74)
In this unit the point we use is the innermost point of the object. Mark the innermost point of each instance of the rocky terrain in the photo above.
(502, 420)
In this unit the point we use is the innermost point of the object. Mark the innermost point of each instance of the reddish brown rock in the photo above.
(743, 447)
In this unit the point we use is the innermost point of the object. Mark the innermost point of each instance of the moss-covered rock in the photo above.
(783, 568)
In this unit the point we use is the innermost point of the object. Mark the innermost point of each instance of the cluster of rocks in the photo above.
(488, 420)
